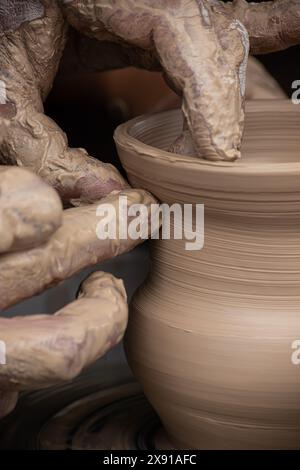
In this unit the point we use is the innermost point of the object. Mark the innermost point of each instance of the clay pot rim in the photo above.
(189, 174)
(123, 136)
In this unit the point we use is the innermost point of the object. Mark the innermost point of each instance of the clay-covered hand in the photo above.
(202, 46)
(203, 54)
(33, 35)
(41, 245)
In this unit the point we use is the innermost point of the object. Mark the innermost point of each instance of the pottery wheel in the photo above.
(102, 409)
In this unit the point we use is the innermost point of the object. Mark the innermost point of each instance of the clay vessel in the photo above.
(211, 332)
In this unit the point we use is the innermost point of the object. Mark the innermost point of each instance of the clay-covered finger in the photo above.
(207, 58)
(30, 210)
(78, 177)
(42, 350)
(259, 85)
(76, 245)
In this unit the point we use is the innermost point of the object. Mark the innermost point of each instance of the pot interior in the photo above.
(272, 132)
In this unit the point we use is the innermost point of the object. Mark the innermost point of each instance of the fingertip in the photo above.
(94, 284)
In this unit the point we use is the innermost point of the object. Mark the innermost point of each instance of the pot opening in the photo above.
(271, 132)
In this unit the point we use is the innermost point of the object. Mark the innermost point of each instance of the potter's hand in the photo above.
(202, 46)
(203, 54)
(33, 35)
(41, 245)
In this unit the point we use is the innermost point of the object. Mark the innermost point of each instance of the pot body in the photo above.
(212, 334)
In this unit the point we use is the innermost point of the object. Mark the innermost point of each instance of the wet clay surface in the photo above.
(210, 332)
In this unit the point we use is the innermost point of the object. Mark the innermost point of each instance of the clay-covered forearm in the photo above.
(42, 350)
(33, 36)
(30, 51)
(272, 25)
